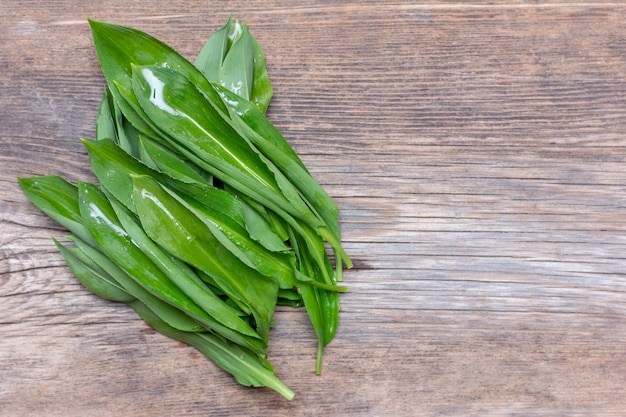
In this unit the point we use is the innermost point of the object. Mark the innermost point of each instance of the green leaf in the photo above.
(310, 298)
(174, 105)
(290, 298)
(237, 70)
(171, 163)
(92, 277)
(247, 369)
(322, 304)
(182, 276)
(119, 48)
(209, 61)
(59, 200)
(105, 123)
(203, 136)
(260, 227)
(113, 167)
(116, 243)
(258, 130)
(170, 314)
(127, 103)
(183, 235)
(262, 90)
(245, 67)
(127, 133)
(234, 236)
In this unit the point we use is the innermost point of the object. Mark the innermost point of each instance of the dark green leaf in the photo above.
(262, 90)
(247, 369)
(170, 314)
(59, 200)
(182, 234)
(201, 134)
(182, 276)
(171, 163)
(119, 48)
(234, 236)
(116, 243)
(93, 277)
(105, 123)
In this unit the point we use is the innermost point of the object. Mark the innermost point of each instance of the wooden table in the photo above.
(477, 151)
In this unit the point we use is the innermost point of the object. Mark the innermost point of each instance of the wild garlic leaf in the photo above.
(236, 72)
(210, 58)
(262, 90)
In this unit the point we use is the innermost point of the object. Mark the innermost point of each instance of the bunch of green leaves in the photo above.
(204, 219)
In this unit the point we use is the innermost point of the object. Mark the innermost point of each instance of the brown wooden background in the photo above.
(477, 151)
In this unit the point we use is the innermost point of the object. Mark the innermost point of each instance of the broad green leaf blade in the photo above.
(260, 227)
(235, 237)
(239, 362)
(105, 123)
(145, 157)
(219, 205)
(116, 243)
(262, 90)
(183, 235)
(256, 128)
(209, 61)
(93, 277)
(119, 48)
(182, 276)
(58, 199)
(82, 256)
(175, 105)
(112, 166)
(171, 163)
(237, 68)
(127, 103)
(277, 224)
(170, 314)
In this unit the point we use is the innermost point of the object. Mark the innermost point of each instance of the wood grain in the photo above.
(477, 151)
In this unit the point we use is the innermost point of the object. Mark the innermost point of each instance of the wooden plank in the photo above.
(476, 151)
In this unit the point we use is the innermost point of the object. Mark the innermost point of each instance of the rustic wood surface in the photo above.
(477, 151)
